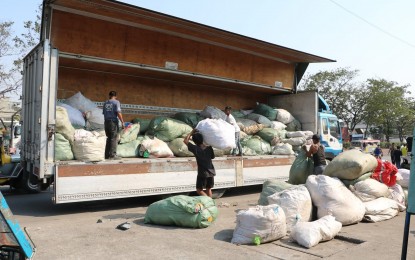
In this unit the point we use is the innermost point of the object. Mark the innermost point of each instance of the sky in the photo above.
(375, 37)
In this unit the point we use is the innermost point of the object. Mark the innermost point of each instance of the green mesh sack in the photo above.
(269, 134)
(179, 148)
(182, 211)
(295, 125)
(256, 144)
(144, 123)
(129, 133)
(237, 114)
(260, 119)
(189, 118)
(301, 168)
(128, 150)
(167, 129)
(271, 187)
(266, 111)
(365, 176)
(63, 150)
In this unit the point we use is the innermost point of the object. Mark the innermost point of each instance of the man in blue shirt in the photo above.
(112, 112)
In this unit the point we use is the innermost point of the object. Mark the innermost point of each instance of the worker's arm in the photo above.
(313, 149)
(122, 120)
(187, 139)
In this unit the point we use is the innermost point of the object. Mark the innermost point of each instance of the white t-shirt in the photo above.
(231, 120)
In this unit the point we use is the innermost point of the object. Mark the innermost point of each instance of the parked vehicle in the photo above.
(159, 65)
(365, 146)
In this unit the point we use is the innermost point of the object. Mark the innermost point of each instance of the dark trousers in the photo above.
(111, 131)
(238, 144)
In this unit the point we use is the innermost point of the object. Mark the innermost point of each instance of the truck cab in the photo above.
(329, 130)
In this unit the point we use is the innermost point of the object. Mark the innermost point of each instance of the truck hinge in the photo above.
(40, 88)
(40, 120)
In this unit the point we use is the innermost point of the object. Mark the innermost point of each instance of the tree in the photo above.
(346, 98)
(12, 50)
(405, 119)
(387, 106)
(8, 82)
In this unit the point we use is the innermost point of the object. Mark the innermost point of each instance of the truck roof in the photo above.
(134, 15)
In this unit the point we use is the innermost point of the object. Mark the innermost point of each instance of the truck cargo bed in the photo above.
(80, 181)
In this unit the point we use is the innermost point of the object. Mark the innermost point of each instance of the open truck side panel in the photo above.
(159, 65)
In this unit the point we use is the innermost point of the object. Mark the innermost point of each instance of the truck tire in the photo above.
(28, 183)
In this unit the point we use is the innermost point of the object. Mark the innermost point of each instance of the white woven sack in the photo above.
(63, 124)
(309, 234)
(296, 141)
(282, 149)
(89, 146)
(217, 133)
(284, 116)
(95, 119)
(404, 181)
(265, 222)
(80, 102)
(331, 197)
(308, 134)
(75, 116)
(381, 209)
(157, 148)
(398, 195)
(278, 125)
(369, 189)
(295, 134)
(296, 203)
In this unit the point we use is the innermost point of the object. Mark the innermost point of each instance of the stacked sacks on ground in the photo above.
(367, 200)
(182, 211)
(296, 203)
(301, 168)
(260, 224)
(270, 187)
(369, 178)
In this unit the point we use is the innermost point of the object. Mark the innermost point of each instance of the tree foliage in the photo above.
(346, 98)
(389, 107)
(12, 50)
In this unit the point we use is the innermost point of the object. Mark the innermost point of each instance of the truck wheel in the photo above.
(28, 183)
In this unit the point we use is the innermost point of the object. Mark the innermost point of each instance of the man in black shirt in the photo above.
(317, 152)
(397, 153)
(205, 169)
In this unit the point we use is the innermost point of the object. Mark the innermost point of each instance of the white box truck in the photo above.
(96, 46)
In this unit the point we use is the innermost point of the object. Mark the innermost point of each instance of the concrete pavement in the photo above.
(72, 232)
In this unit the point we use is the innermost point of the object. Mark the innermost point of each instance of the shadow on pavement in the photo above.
(224, 235)
(41, 205)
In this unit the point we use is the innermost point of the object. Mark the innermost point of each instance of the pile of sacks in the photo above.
(266, 130)
(263, 131)
(79, 130)
(346, 193)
